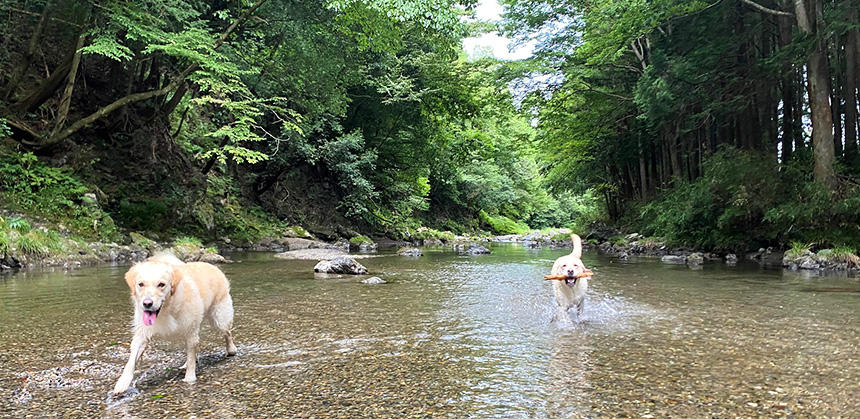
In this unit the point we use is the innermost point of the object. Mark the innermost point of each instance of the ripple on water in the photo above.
(453, 336)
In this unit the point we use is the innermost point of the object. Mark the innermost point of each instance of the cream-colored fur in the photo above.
(181, 295)
(569, 293)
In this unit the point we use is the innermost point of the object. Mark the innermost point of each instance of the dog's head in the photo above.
(571, 267)
(151, 284)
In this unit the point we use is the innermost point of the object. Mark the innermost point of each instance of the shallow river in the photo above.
(448, 335)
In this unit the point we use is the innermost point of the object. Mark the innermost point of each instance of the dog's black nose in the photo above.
(147, 303)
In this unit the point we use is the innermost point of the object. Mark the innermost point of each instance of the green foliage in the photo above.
(743, 201)
(618, 240)
(503, 225)
(798, 249)
(28, 185)
(842, 254)
(358, 240)
(150, 215)
(19, 224)
(187, 241)
(425, 233)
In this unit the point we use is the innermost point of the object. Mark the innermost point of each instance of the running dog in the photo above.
(570, 292)
(171, 299)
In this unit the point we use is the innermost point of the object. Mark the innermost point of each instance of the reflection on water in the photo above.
(449, 335)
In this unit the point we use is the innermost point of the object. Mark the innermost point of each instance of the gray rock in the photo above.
(340, 265)
(695, 259)
(409, 251)
(374, 280)
(367, 247)
(731, 258)
(471, 249)
(675, 259)
(339, 245)
(809, 263)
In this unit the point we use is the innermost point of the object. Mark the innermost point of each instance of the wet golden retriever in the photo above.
(171, 299)
(569, 292)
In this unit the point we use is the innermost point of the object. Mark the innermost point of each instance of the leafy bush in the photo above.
(424, 233)
(186, 241)
(798, 249)
(31, 186)
(618, 240)
(745, 200)
(503, 225)
(358, 240)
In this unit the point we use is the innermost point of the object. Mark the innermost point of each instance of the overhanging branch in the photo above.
(761, 8)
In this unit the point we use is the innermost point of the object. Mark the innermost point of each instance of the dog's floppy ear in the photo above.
(175, 277)
(131, 280)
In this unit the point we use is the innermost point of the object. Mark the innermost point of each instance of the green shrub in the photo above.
(560, 237)
(503, 225)
(358, 240)
(618, 240)
(747, 200)
(28, 185)
(798, 249)
(186, 241)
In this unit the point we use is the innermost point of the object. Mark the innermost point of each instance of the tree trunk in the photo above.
(643, 172)
(787, 93)
(819, 102)
(849, 93)
(61, 135)
(45, 90)
(66, 99)
(836, 97)
(32, 46)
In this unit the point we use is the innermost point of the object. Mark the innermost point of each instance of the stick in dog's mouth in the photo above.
(149, 316)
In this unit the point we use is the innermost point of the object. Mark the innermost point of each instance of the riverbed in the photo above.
(449, 336)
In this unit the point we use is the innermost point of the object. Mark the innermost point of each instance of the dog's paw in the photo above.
(190, 380)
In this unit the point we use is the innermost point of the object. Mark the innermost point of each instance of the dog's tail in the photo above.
(577, 246)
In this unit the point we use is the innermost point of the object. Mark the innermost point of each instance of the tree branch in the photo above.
(137, 97)
(761, 8)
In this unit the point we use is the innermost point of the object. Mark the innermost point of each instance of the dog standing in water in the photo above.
(570, 292)
(171, 299)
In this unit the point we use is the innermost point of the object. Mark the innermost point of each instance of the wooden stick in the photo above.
(584, 274)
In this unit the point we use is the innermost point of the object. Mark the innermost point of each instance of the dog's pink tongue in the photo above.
(149, 318)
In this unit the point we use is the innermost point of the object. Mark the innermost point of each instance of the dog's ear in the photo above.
(131, 280)
(175, 277)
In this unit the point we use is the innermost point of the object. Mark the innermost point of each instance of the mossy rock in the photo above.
(296, 231)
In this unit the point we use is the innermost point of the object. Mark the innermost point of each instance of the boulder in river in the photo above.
(471, 249)
(374, 280)
(409, 251)
(695, 259)
(340, 265)
(675, 259)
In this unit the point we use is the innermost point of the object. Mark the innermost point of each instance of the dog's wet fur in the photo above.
(171, 299)
(571, 291)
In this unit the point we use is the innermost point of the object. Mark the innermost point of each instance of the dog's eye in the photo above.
(161, 284)
(140, 284)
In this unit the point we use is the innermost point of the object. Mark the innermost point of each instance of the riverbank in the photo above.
(29, 242)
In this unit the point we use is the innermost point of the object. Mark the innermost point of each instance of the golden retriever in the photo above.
(171, 299)
(570, 292)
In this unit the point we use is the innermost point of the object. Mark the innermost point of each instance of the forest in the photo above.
(713, 124)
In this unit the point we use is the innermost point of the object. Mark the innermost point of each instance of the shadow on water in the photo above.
(448, 335)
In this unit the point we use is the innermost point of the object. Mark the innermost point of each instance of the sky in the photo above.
(492, 10)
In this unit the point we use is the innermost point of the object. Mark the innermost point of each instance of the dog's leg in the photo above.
(560, 315)
(231, 347)
(138, 343)
(191, 359)
(579, 308)
(222, 319)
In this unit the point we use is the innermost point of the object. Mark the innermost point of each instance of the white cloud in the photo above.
(491, 10)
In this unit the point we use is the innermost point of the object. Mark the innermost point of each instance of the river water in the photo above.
(449, 335)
